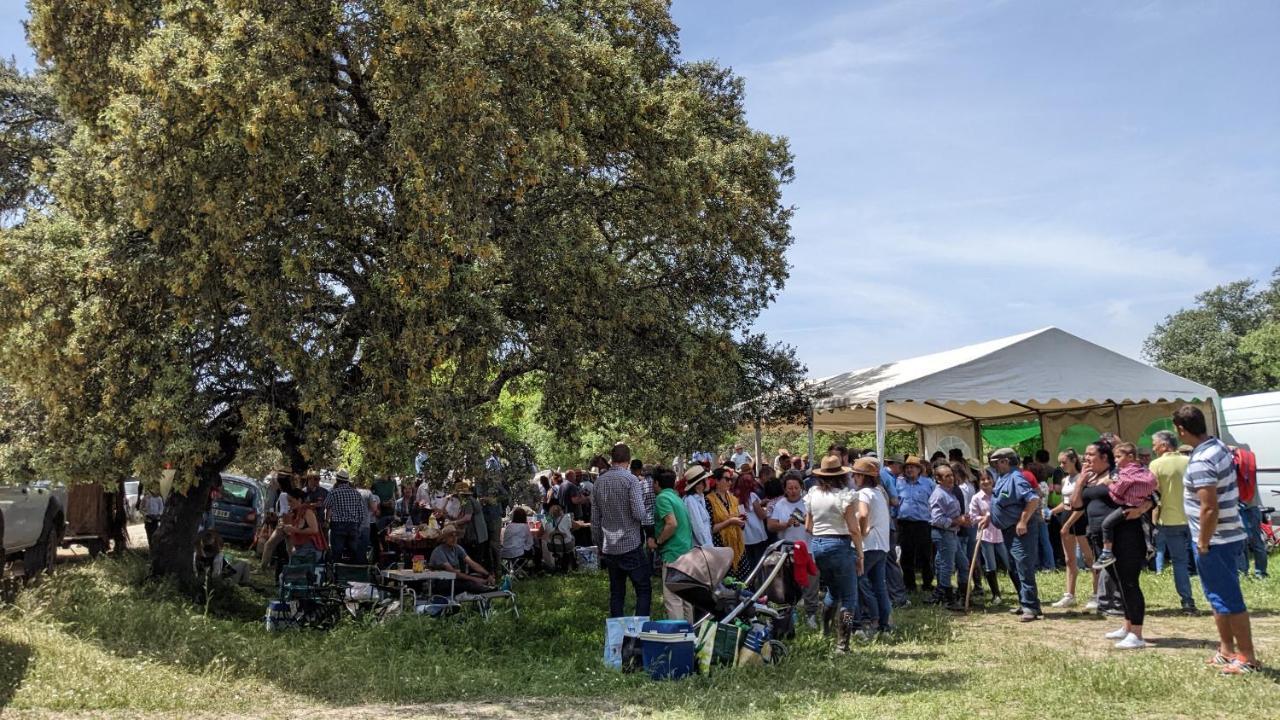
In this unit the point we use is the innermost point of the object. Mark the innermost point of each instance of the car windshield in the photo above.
(234, 493)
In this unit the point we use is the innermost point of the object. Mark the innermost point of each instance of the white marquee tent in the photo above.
(1047, 375)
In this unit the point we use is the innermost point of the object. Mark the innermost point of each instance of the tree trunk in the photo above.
(173, 544)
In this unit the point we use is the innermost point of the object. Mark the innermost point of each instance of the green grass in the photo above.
(100, 638)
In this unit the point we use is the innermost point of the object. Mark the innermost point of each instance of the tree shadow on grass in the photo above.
(553, 651)
(15, 658)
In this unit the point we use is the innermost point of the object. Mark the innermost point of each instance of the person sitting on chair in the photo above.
(517, 542)
(451, 557)
(557, 539)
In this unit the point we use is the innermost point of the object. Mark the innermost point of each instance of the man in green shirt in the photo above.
(674, 538)
(1173, 539)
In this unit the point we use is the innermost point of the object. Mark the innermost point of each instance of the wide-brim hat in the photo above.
(913, 460)
(891, 459)
(866, 466)
(693, 475)
(462, 487)
(831, 467)
(342, 476)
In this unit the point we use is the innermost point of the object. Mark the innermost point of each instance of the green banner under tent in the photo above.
(1010, 435)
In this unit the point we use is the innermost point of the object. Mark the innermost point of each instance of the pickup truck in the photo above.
(32, 524)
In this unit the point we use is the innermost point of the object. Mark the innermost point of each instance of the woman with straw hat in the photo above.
(836, 544)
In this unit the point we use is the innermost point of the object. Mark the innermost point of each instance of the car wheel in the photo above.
(42, 556)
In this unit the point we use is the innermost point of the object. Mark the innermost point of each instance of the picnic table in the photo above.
(405, 578)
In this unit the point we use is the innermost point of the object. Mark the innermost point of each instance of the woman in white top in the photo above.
(517, 541)
(837, 541)
(873, 523)
(1074, 526)
(786, 520)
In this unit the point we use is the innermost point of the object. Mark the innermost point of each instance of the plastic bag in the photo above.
(616, 630)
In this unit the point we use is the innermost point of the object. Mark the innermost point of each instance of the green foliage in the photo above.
(896, 442)
(351, 454)
(1227, 341)
(31, 128)
(277, 221)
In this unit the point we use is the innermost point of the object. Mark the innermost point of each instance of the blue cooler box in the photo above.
(667, 647)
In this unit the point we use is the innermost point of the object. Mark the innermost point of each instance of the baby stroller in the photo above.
(697, 577)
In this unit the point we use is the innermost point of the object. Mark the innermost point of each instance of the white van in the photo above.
(1253, 421)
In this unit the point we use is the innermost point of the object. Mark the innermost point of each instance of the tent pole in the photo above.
(811, 458)
(977, 439)
(920, 441)
(880, 422)
(756, 456)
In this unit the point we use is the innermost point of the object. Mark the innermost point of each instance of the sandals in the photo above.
(1240, 667)
(1219, 660)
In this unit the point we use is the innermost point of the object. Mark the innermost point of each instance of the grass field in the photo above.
(99, 641)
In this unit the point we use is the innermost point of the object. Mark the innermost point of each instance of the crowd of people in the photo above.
(885, 534)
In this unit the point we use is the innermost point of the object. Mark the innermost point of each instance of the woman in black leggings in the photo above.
(1130, 544)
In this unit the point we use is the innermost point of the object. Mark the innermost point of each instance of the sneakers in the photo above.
(1117, 634)
(1240, 667)
(1105, 559)
(812, 622)
(1091, 605)
(1131, 642)
(1016, 610)
(1028, 616)
(862, 636)
(1190, 610)
(1068, 600)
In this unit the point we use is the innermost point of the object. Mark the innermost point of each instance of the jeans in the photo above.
(633, 565)
(873, 591)
(949, 557)
(1045, 548)
(1251, 517)
(837, 566)
(1171, 543)
(968, 543)
(344, 539)
(991, 552)
(1025, 551)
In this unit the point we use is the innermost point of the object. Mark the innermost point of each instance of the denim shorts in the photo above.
(1219, 578)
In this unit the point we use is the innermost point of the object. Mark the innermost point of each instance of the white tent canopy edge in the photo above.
(1048, 374)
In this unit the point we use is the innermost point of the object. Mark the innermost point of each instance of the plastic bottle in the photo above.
(752, 646)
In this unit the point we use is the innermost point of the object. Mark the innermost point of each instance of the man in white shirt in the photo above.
(740, 457)
(695, 487)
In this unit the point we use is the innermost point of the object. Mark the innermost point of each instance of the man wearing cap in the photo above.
(617, 514)
(914, 530)
(1014, 509)
(346, 511)
(695, 487)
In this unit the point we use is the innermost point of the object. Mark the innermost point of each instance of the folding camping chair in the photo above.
(363, 590)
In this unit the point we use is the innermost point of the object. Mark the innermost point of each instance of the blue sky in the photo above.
(973, 169)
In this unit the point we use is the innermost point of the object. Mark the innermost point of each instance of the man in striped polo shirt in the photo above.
(1211, 501)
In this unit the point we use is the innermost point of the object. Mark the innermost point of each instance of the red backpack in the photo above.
(1246, 473)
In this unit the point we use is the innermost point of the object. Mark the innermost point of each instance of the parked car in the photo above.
(240, 509)
(32, 523)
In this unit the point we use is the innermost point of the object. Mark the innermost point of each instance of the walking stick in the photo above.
(968, 590)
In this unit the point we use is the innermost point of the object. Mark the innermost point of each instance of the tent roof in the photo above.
(1047, 370)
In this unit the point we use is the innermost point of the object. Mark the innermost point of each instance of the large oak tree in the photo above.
(285, 218)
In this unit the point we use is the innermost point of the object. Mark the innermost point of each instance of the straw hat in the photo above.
(866, 466)
(913, 460)
(462, 487)
(831, 467)
(694, 475)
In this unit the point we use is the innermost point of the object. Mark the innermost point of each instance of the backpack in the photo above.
(1246, 473)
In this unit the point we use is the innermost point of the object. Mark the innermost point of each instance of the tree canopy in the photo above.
(274, 221)
(1230, 339)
